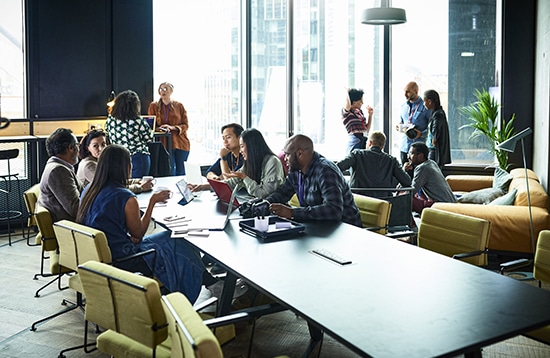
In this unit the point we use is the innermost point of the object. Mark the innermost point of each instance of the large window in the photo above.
(291, 79)
(196, 48)
(12, 80)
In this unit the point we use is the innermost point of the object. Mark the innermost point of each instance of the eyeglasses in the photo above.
(164, 89)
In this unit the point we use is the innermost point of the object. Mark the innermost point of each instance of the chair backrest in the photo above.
(541, 271)
(124, 302)
(449, 234)
(374, 212)
(79, 243)
(31, 198)
(45, 226)
(189, 335)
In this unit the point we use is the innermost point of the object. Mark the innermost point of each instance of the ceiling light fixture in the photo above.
(384, 16)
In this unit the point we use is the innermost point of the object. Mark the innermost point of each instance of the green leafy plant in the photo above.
(483, 118)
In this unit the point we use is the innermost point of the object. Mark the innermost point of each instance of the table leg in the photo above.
(316, 335)
(224, 304)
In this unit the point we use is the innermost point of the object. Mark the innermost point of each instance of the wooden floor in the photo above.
(279, 334)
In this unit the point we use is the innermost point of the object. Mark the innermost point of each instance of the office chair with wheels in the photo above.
(31, 198)
(375, 213)
(458, 236)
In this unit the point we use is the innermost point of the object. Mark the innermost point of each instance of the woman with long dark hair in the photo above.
(262, 172)
(126, 127)
(438, 130)
(109, 206)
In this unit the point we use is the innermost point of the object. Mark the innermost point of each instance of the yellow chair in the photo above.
(129, 307)
(31, 198)
(49, 248)
(454, 235)
(375, 213)
(541, 273)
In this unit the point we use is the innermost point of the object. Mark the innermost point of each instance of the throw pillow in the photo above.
(482, 196)
(501, 179)
(507, 199)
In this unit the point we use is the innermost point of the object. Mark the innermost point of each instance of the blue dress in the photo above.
(178, 266)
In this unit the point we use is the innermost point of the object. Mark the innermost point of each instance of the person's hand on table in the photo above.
(168, 128)
(198, 187)
(281, 210)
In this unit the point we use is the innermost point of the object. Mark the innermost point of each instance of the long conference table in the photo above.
(393, 300)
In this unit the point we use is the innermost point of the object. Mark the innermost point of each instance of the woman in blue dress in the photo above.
(108, 205)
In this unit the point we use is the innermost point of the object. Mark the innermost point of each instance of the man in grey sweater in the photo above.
(373, 168)
(59, 187)
(427, 177)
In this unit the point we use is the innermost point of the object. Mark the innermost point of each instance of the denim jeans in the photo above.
(141, 164)
(179, 157)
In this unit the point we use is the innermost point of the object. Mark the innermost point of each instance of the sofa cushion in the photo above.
(539, 198)
(482, 196)
(501, 179)
(507, 199)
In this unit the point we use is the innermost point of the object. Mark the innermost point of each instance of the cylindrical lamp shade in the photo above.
(384, 16)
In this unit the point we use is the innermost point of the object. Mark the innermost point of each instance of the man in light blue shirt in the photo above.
(413, 113)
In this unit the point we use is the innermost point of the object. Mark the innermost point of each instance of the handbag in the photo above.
(421, 200)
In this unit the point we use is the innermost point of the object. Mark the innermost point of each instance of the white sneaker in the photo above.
(217, 288)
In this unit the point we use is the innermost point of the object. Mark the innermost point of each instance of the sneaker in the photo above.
(217, 288)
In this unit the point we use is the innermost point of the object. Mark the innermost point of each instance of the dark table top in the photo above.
(394, 300)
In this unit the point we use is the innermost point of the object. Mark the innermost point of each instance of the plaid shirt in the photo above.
(327, 195)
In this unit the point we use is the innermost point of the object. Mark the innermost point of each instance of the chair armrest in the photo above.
(139, 254)
(465, 255)
(200, 306)
(514, 265)
(225, 320)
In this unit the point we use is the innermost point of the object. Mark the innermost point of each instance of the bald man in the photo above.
(414, 113)
(322, 191)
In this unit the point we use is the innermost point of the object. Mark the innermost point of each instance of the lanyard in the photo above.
(411, 115)
(301, 188)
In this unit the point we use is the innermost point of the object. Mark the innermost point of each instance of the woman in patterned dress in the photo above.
(126, 127)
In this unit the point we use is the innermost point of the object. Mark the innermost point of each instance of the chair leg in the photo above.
(74, 305)
(84, 346)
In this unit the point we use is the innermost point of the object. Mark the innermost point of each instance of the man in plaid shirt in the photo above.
(321, 188)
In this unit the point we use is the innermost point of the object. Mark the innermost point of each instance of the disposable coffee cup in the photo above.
(261, 224)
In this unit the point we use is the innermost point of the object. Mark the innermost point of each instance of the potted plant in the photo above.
(483, 118)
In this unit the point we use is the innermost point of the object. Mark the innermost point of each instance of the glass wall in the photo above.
(197, 49)
(449, 46)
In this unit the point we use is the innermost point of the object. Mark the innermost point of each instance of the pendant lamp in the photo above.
(384, 16)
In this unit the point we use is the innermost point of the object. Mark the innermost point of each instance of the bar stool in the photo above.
(7, 188)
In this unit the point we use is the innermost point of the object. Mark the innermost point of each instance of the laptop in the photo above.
(151, 121)
(215, 223)
(224, 193)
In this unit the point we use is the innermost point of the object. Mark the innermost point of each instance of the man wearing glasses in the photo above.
(59, 187)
